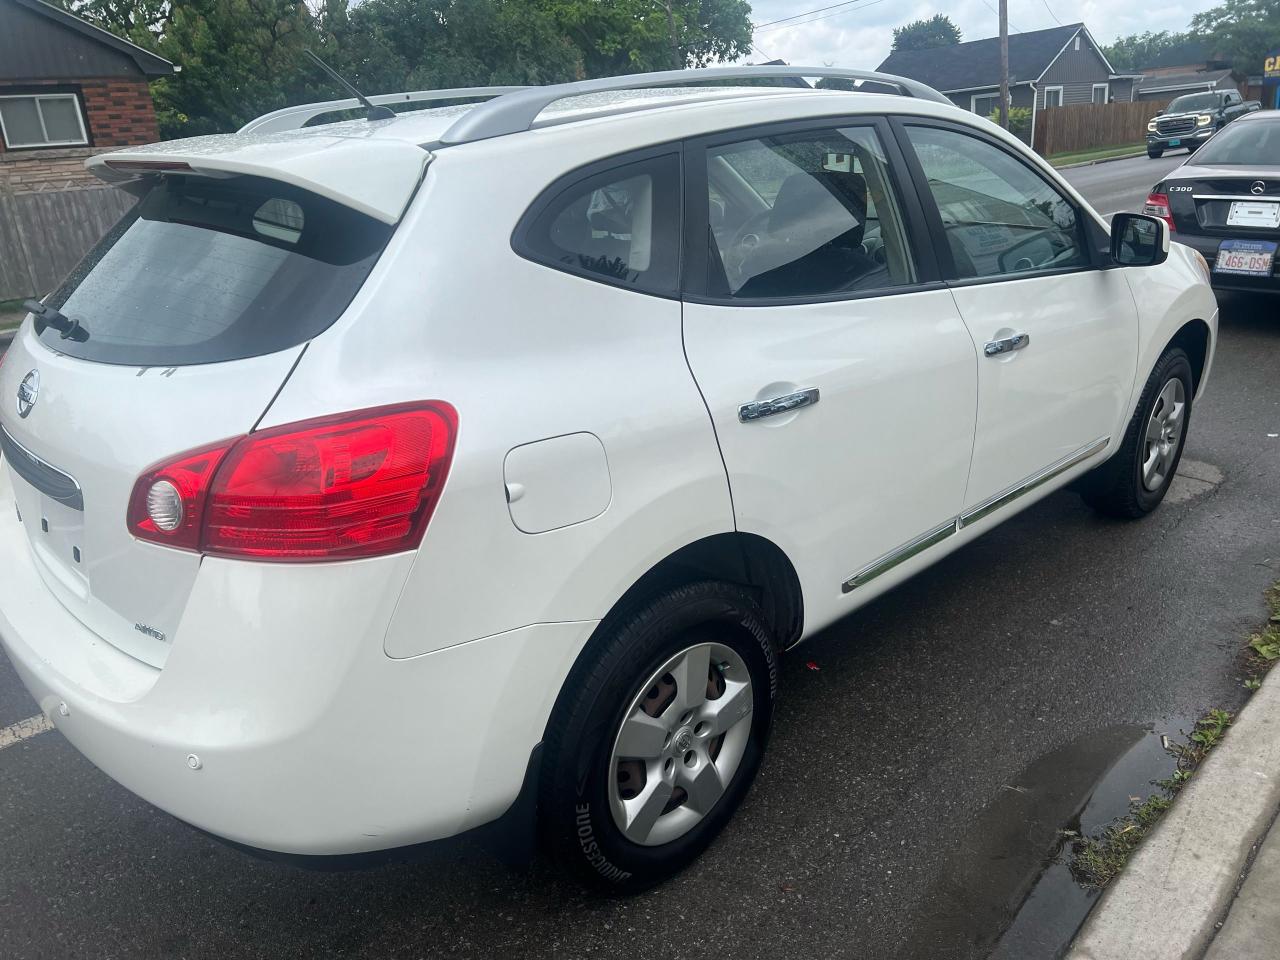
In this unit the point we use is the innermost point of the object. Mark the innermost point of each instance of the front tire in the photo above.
(1155, 153)
(657, 736)
(1135, 480)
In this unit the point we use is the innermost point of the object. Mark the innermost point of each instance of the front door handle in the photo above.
(759, 409)
(995, 348)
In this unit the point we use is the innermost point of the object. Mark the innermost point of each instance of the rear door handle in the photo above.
(759, 409)
(995, 348)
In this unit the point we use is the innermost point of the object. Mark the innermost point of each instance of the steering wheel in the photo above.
(743, 243)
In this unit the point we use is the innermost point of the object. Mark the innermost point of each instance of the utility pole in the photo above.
(677, 59)
(1004, 64)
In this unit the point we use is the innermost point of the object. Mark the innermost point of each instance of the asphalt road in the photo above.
(914, 786)
(1122, 185)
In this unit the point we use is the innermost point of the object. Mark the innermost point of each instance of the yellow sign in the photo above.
(1271, 66)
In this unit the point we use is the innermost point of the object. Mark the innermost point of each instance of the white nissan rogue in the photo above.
(377, 480)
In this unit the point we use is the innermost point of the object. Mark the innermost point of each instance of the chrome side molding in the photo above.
(931, 538)
(900, 555)
(1021, 489)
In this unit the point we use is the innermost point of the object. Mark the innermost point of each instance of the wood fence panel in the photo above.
(43, 235)
(1090, 126)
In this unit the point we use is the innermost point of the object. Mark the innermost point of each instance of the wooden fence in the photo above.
(43, 235)
(1090, 126)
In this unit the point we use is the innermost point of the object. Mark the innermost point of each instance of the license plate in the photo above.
(1250, 258)
(1253, 213)
(1175, 143)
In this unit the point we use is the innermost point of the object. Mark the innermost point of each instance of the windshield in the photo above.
(204, 270)
(1192, 102)
(1252, 143)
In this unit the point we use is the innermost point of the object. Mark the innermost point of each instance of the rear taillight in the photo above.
(356, 485)
(1157, 205)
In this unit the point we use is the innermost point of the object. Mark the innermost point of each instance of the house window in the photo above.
(1052, 97)
(984, 104)
(1100, 92)
(42, 120)
(1077, 41)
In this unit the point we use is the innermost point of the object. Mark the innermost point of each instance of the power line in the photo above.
(1051, 13)
(838, 13)
(997, 13)
(797, 16)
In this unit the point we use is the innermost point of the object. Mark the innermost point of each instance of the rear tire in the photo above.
(1134, 481)
(636, 723)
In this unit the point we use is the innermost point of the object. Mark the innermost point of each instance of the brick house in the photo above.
(68, 90)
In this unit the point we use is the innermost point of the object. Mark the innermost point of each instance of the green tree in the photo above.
(1150, 49)
(938, 31)
(241, 58)
(1241, 31)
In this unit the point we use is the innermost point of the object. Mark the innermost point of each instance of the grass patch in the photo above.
(11, 314)
(1101, 153)
(1098, 859)
(1264, 646)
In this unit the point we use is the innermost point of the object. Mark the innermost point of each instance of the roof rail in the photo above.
(292, 118)
(516, 112)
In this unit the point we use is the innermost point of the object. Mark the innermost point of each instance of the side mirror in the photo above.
(1159, 113)
(1138, 240)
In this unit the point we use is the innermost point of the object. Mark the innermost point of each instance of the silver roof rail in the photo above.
(516, 112)
(292, 118)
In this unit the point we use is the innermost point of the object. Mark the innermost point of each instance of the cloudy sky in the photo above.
(858, 34)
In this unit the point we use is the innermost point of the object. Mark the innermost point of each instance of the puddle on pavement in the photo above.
(1007, 892)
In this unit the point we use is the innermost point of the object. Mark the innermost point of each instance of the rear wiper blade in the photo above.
(47, 316)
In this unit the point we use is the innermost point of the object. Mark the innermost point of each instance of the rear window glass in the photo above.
(205, 270)
(1251, 143)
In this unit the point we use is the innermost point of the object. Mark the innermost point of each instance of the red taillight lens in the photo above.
(356, 485)
(1158, 206)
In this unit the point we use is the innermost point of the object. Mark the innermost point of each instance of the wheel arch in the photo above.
(1193, 337)
(746, 559)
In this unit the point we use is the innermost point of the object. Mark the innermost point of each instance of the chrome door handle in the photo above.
(760, 409)
(995, 348)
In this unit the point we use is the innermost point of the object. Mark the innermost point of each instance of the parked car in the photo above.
(1225, 202)
(1193, 118)
(382, 480)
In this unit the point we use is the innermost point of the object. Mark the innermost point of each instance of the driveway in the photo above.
(926, 754)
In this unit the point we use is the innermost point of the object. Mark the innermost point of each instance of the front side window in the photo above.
(1000, 218)
(47, 120)
(804, 215)
(619, 227)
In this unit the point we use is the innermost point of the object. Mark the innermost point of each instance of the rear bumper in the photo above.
(1208, 248)
(278, 722)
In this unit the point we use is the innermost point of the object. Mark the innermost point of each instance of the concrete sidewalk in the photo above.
(1207, 877)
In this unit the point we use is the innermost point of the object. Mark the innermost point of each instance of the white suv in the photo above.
(378, 480)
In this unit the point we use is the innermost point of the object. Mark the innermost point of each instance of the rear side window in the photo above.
(618, 226)
(206, 270)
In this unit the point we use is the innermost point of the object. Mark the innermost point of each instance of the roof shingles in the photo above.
(977, 63)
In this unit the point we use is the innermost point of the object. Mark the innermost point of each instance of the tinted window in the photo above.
(804, 215)
(205, 270)
(620, 226)
(1245, 142)
(1000, 217)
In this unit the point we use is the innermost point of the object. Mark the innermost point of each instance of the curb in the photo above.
(1094, 163)
(1170, 898)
